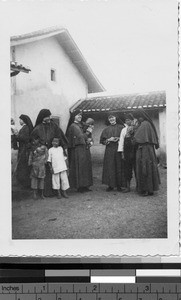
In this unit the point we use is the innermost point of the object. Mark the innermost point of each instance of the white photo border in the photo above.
(90, 248)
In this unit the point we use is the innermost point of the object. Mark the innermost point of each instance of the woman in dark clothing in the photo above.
(147, 174)
(45, 131)
(126, 147)
(23, 138)
(113, 165)
(80, 166)
(14, 132)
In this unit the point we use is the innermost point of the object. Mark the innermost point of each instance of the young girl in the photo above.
(58, 167)
(37, 159)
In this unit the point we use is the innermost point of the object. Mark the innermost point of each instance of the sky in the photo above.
(131, 45)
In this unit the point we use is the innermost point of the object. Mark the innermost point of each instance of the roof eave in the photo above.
(34, 36)
(94, 84)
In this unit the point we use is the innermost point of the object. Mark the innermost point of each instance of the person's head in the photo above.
(55, 142)
(112, 119)
(22, 120)
(43, 117)
(128, 121)
(139, 115)
(35, 142)
(12, 121)
(78, 117)
(89, 121)
(141, 119)
(25, 120)
(46, 114)
(41, 149)
(46, 120)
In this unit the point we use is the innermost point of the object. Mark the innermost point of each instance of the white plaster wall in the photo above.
(159, 120)
(97, 150)
(34, 91)
(162, 125)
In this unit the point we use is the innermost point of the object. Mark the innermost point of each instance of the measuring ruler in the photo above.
(86, 281)
(90, 291)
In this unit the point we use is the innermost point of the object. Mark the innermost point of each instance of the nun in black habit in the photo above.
(147, 174)
(45, 131)
(23, 138)
(80, 166)
(112, 174)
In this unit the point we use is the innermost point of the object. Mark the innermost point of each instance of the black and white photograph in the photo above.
(92, 96)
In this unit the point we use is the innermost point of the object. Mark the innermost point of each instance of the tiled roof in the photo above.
(121, 102)
(18, 67)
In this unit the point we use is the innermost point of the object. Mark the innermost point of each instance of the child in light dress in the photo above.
(37, 160)
(58, 167)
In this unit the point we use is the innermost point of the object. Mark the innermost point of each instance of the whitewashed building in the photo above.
(59, 75)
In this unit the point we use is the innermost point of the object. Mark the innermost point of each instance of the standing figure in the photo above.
(14, 133)
(126, 147)
(88, 127)
(147, 174)
(80, 166)
(23, 138)
(46, 130)
(113, 165)
(14, 148)
(37, 160)
(58, 168)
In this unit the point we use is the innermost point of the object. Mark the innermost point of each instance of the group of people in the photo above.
(130, 148)
(49, 160)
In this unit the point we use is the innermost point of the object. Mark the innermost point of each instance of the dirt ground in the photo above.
(93, 215)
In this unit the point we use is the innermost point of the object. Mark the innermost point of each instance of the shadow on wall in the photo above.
(162, 157)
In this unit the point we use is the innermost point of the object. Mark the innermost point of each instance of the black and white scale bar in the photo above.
(67, 276)
(158, 279)
(82, 265)
(67, 279)
(67, 273)
(113, 279)
(90, 276)
(158, 276)
(112, 272)
(22, 279)
(158, 272)
(21, 273)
